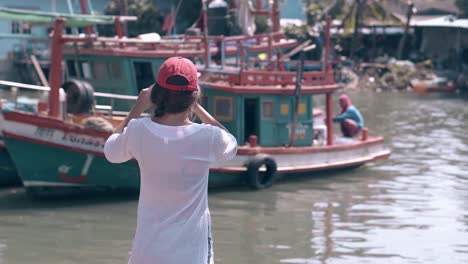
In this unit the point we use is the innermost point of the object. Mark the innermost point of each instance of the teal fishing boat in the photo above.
(269, 110)
(121, 65)
(8, 174)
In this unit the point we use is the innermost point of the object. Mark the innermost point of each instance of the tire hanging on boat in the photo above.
(257, 179)
(80, 96)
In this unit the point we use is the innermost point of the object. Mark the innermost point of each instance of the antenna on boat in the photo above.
(205, 33)
(174, 18)
(297, 97)
(84, 11)
(328, 97)
(297, 91)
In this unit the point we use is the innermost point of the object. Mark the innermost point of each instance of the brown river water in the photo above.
(412, 208)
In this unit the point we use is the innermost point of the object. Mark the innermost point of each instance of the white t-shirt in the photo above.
(173, 225)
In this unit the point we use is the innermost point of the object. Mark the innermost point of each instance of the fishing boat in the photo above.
(432, 86)
(24, 62)
(272, 113)
(268, 109)
(122, 65)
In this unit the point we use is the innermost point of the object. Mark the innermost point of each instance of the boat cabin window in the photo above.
(268, 110)
(223, 108)
(71, 68)
(143, 74)
(284, 109)
(85, 68)
(100, 70)
(18, 27)
(302, 109)
(115, 70)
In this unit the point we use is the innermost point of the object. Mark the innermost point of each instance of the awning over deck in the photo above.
(48, 18)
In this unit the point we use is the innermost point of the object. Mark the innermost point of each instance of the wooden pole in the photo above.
(119, 30)
(329, 118)
(327, 45)
(402, 43)
(55, 75)
(39, 71)
(270, 50)
(205, 34)
(123, 12)
(276, 16)
(84, 11)
(297, 98)
(357, 27)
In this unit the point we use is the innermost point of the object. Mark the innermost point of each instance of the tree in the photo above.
(189, 13)
(353, 15)
(150, 18)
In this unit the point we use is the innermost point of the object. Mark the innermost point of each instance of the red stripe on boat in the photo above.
(243, 150)
(253, 89)
(70, 179)
(51, 144)
(315, 168)
(47, 122)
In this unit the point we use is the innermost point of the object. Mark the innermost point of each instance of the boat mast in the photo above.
(55, 75)
(205, 33)
(84, 11)
(297, 97)
(275, 16)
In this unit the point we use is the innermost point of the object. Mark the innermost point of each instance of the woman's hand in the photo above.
(143, 102)
(205, 117)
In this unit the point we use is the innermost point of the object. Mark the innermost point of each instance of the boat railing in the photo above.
(204, 45)
(258, 76)
(106, 109)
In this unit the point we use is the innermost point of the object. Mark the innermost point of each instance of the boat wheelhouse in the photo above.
(272, 113)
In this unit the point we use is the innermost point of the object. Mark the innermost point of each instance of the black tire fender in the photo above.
(80, 96)
(257, 179)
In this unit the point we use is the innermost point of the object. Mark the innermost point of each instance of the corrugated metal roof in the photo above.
(437, 7)
(445, 21)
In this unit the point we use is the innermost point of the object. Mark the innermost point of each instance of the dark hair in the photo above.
(170, 101)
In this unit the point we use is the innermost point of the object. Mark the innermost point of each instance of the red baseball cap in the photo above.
(178, 66)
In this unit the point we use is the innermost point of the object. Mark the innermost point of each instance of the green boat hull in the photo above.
(48, 170)
(8, 175)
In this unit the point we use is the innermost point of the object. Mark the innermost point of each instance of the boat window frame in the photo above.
(121, 75)
(81, 69)
(76, 71)
(264, 116)
(230, 106)
(20, 28)
(302, 109)
(106, 71)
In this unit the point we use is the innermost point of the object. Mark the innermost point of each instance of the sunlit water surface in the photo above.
(412, 208)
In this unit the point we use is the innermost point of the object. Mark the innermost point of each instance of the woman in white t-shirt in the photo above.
(174, 156)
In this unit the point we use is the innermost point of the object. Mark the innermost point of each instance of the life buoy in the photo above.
(257, 179)
(80, 96)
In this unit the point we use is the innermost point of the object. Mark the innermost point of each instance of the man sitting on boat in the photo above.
(350, 118)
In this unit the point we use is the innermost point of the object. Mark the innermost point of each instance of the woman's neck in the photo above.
(180, 119)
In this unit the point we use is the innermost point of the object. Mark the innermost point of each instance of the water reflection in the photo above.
(412, 208)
